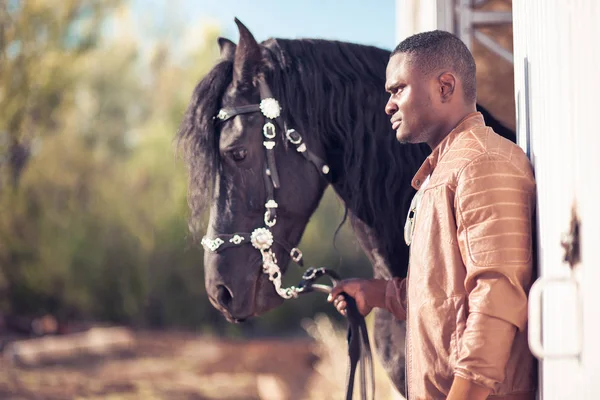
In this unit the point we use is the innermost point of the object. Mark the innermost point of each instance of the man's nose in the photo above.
(390, 107)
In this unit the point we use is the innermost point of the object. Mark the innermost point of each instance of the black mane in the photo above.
(332, 92)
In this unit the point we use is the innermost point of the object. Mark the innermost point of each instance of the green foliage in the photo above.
(41, 43)
(93, 216)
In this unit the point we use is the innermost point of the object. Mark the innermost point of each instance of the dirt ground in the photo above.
(182, 366)
(172, 366)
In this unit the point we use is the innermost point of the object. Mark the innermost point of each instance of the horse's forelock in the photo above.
(198, 140)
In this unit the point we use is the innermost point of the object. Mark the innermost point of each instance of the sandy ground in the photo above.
(178, 366)
(172, 366)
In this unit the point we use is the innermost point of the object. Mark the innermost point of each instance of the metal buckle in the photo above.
(313, 273)
(296, 255)
(269, 130)
(288, 135)
(268, 221)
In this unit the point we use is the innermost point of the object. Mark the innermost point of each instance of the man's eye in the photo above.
(238, 154)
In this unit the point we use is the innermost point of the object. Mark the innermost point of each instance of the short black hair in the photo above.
(436, 50)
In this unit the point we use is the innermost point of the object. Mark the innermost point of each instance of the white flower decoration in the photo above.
(261, 238)
(270, 108)
(212, 244)
(222, 115)
(236, 239)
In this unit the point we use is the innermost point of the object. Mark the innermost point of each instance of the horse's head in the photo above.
(253, 172)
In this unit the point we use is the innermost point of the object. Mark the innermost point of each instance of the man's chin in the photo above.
(403, 137)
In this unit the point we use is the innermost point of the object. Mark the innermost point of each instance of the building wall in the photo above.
(556, 63)
(494, 74)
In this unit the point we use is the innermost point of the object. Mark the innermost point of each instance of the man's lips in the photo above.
(396, 124)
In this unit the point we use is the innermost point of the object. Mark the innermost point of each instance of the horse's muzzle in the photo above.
(223, 301)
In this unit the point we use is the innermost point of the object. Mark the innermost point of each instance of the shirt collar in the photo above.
(469, 122)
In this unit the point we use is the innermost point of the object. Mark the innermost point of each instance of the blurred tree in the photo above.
(96, 227)
(92, 199)
(40, 43)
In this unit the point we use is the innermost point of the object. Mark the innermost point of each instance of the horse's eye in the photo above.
(238, 154)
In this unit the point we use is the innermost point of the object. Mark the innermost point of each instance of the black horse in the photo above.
(333, 94)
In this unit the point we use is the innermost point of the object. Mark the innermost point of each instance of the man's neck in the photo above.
(449, 124)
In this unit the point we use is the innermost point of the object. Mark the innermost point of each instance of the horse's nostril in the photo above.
(224, 296)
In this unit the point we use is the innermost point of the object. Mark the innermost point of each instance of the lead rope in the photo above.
(359, 346)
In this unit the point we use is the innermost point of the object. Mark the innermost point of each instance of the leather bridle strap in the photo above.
(225, 241)
(359, 349)
(230, 112)
(292, 135)
(296, 139)
(270, 134)
(359, 346)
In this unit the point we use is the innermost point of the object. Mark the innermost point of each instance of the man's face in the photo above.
(412, 105)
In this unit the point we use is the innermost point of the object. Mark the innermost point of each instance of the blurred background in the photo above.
(95, 257)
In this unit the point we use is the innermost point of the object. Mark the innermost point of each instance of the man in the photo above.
(469, 230)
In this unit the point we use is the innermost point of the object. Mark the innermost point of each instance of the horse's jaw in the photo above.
(265, 297)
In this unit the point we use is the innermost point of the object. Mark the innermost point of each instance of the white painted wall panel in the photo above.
(556, 58)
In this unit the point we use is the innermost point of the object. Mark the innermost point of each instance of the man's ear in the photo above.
(447, 86)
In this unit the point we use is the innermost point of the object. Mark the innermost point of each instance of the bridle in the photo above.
(262, 238)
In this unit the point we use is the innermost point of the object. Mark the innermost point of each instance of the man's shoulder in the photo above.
(481, 144)
(487, 153)
(480, 151)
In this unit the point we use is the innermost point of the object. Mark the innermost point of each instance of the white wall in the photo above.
(556, 59)
(414, 16)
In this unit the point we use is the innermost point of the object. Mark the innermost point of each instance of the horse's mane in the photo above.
(336, 90)
(331, 92)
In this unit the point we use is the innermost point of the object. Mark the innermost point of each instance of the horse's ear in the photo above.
(227, 48)
(247, 56)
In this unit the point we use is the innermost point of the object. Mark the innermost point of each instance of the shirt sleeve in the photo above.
(494, 205)
(395, 297)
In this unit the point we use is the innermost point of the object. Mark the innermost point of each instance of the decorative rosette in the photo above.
(270, 108)
(261, 239)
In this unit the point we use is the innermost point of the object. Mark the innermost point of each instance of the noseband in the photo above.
(262, 238)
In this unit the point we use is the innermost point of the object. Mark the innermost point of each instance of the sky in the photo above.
(357, 21)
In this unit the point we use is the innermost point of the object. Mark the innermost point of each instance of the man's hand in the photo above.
(368, 294)
(463, 389)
